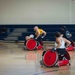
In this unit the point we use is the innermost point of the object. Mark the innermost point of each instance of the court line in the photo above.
(45, 72)
(49, 71)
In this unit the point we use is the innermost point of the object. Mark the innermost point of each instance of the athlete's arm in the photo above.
(67, 42)
(44, 34)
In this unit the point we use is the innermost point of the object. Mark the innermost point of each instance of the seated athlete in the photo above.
(40, 34)
(66, 34)
(60, 45)
(27, 38)
(60, 48)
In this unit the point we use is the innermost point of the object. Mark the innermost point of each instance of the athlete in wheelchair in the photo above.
(58, 56)
(31, 44)
(66, 34)
(39, 34)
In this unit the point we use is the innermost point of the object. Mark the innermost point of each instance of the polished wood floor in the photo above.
(15, 61)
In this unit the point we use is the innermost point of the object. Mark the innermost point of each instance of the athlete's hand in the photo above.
(53, 49)
(42, 37)
(35, 38)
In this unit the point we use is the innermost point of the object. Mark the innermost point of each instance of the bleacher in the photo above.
(18, 32)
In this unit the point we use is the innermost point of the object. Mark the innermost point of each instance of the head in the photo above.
(31, 36)
(63, 28)
(27, 38)
(57, 34)
(35, 28)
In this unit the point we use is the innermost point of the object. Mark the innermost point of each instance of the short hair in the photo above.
(36, 27)
(63, 27)
(57, 34)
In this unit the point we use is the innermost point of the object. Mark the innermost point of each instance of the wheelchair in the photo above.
(70, 48)
(50, 59)
(31, 44)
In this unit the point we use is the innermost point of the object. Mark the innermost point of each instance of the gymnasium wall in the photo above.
(37, 11)
(18, 32)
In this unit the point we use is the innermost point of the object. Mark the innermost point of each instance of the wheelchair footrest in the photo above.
(63, 62)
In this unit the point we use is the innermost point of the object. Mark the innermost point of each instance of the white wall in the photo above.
(36, 12)
(73, 12)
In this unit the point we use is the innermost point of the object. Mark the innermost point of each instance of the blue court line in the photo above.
(45, 72)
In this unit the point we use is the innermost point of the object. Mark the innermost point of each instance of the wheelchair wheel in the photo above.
(31, 44)
(50, 58)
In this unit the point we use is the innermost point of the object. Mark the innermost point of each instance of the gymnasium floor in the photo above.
(15, 61)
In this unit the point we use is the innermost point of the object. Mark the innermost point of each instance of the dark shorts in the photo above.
(61, 51)
(64, 53)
